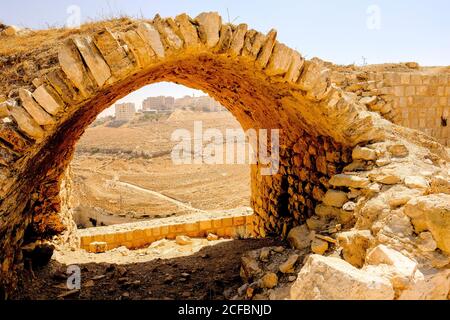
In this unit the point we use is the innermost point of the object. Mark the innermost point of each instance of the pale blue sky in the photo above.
(337, 31)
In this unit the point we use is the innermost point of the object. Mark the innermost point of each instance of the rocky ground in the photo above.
(165, 270)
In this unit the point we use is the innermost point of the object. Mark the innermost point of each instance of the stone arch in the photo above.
(265, 85)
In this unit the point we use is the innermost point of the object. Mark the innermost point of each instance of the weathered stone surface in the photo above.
(385, 178)
(142, 52)
(151, 36)
(113, 53)
(72, 64)
(48, 99)
(166, 29)
(362, 153)
(295, 67)
(385, 255)
(368, 101)
(432, 213)
(335, 198)
(98, 247)
(237, 42)
(34, 109)
(319, 246)
(288, 265)
(426, 242)
(266, 49)
(435, 286)
(300, 237)
(100, 70)
(187, 31)
(398, 150)
(183, 240)
(9, 134)
(269, 280)
(416, 182)
(315, 80)
(249, 268)
(326, 278)
(209, 24)
(350, 181)
(26, 123)
(355, 244)
(280, 60)
(252, 44)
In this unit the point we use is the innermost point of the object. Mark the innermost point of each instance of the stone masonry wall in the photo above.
(411, 97)
(141, 234)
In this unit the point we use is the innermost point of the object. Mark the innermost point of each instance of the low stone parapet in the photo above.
(141, 234)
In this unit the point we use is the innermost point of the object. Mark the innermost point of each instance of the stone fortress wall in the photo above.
(406, 94)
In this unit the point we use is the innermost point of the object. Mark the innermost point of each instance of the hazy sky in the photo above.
(344, 31)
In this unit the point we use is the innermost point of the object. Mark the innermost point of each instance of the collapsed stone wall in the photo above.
(341, 165)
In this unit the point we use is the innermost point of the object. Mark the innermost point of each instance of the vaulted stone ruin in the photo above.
(349, 171)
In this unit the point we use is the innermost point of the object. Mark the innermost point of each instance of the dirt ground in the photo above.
(140, 154)
(209, 273)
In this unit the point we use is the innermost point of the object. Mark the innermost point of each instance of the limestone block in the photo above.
(398, 150)
(319, 246)
(26, 123)
(266, 49)
(252, 44)
(187, 30)
(34, 109)
(426, 242)
(142, 53)
(152, 37)
(65, 87)
(385, 178)
(315, 80)
(368, 101)
(280, 60)
(362, 153)
(209, 25)
(350, 181)
(114, 54)
(382, 254)
(226, 36)
(9, 134)
(328, 278)
(335, 198)
(432, 213)
(300, 237)
(434, 286)
(355, 244)
(295, 67)
(98, 247)
(237, 43)
(166, 29)
(72, 65)
(289, 264)
(183, 240)
(100, 70)
(48, 99)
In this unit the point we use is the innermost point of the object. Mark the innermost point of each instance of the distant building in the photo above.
(125, 111)
(161, 103)
(168, 104)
